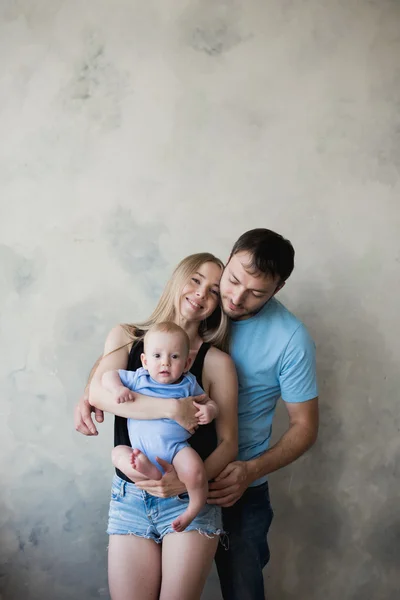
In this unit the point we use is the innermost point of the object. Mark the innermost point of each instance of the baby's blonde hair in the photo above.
(168, 327)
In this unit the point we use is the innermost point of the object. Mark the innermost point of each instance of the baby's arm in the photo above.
(207, 412)
(111, 381)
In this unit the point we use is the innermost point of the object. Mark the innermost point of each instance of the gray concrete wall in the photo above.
(134, 133)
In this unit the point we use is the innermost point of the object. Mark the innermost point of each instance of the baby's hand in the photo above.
(206, 412)
(123, 394)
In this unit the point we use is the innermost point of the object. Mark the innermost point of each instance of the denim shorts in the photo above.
(134, 511)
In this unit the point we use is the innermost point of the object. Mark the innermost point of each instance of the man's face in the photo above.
(244, 293)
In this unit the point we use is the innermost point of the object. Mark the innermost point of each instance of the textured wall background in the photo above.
(134, 133)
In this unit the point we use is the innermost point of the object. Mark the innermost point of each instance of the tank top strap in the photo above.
(197, 367)
(134, 361)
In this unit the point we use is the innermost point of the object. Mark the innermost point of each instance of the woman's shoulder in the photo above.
(217, 359)
(118, 337)
(219, 369)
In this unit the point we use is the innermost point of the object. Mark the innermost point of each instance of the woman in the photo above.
(139, 567)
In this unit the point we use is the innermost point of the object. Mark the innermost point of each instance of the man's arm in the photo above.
(298, 384)
(301, 435)
(83, 421)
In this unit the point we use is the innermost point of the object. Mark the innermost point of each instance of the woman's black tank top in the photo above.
(204, 440)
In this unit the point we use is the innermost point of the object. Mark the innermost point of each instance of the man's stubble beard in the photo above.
(247, 314)
(238, 317)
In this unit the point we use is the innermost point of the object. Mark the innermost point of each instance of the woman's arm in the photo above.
(220, 380)
(112, 381)
(115, 356)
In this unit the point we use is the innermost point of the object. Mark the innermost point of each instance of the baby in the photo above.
(164, 374)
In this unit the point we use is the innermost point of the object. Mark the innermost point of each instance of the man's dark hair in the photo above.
(271, 253)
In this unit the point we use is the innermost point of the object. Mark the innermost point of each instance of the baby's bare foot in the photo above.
(141, 463)
(183, 521)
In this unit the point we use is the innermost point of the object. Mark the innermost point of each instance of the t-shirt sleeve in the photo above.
(128, 378)
(194, 388)
(197, 390)
(298, 376)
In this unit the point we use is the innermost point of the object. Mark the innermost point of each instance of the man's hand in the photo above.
(185, 412)
(169, 485)
(123, 394)
(83, 416)
(206, 412)
(230, 484)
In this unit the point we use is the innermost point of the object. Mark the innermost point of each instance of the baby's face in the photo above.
(165, 356)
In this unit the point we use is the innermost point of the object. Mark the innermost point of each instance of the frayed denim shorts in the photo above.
(134, 511)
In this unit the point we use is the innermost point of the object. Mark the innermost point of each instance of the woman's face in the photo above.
(200, 296)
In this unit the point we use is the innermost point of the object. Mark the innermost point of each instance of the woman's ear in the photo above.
(143, 359)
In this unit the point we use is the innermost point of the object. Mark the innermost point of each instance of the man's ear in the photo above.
(143, 359)
(279, 287)
(188, 364)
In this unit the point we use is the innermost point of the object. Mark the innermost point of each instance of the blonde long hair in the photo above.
(214, 329)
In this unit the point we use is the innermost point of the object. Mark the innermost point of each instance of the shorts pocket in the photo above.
(184, 498)
(115, 490)
(114, 494)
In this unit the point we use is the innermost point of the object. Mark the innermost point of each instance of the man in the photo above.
(274, 357)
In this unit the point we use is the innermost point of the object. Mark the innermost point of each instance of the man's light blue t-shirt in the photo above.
(274, 357)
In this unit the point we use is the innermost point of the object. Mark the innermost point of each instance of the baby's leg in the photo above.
(134, 464)
(190, 470)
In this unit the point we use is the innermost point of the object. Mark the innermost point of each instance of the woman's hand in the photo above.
(169, 485)
(83, 416)
(185, 412)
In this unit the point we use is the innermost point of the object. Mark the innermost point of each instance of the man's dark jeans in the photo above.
(240, 566)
